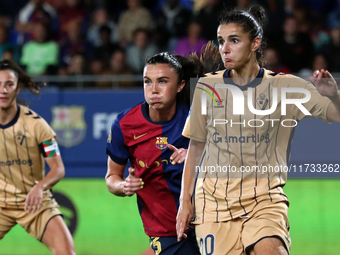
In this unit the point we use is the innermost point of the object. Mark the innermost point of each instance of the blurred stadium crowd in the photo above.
(105, 37)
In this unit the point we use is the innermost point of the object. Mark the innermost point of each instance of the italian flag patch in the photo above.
(50, 148)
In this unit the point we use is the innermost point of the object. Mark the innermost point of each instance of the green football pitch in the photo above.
(111, 225)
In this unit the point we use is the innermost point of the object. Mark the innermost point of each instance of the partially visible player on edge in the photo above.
(149, 135)
(245, 212)
(26, 140)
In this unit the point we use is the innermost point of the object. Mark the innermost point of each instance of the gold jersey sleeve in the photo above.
(42, 131)
(317, 105)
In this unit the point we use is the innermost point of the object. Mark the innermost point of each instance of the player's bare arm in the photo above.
(115, 180)
(57, 172)
(186, 210)
(115, 177)
(326, 86)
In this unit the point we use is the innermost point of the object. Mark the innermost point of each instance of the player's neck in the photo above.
(8, 114)
(162, 115)
(245, 75)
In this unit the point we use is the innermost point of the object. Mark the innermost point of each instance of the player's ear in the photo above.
(256, 44)
(181, 86)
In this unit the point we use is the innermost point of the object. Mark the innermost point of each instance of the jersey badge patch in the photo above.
(161, 142)
(20, 137)
(262, 101)
(51, 148)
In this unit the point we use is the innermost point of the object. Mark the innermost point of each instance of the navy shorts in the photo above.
(168, 245)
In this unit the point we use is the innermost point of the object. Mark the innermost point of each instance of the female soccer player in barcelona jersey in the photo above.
(26, 140)
(236, 211)
(149, 135)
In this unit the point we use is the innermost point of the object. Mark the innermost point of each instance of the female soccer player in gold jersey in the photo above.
(26, 141)
(238, 207)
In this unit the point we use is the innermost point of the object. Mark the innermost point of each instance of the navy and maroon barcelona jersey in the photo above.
(134, 136)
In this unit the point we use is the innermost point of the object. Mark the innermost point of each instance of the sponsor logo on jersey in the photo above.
(217, 138)
(69, 124)
(18, 162)
(137, 137)
(161, 142)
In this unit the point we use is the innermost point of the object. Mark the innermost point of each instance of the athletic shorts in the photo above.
(35, 224)
(238, 236)
(168, 245)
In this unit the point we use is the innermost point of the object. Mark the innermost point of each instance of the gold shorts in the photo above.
(34, 224)
(238, 236)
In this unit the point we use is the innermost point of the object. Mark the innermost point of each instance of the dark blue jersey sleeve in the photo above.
(115, 147)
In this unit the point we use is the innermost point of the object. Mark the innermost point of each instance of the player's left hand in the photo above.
(184, 217)
(34, 198)
(325, 83)
(132, 183)
(178, 156)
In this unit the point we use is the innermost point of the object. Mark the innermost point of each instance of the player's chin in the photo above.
(4, 106)
(228, 65)
(157, 105)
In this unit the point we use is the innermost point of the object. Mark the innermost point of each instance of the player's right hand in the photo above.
(183, 219)
(34, 199)
(178, 156)
(132, 183)
(325, 83)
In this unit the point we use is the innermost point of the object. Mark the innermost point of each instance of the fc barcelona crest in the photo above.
(161, 142)
(69, 124)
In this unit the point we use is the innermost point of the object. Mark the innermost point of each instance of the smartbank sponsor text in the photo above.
(16, 162)
(241, 139)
